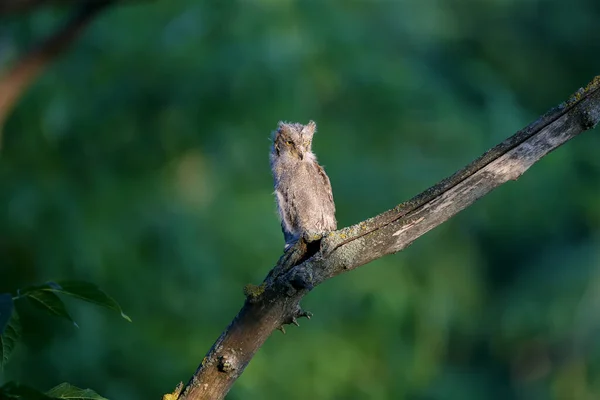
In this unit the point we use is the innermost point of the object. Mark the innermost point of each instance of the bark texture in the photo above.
(276, 301)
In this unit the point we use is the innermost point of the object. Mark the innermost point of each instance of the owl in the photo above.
(302, 188)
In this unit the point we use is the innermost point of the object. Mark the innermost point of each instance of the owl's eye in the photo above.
(288, 142)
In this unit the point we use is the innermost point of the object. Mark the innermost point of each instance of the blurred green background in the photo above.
(139, 161)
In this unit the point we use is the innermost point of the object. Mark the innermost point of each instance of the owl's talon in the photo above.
(305, 314)
(281, 328)
(293, 318)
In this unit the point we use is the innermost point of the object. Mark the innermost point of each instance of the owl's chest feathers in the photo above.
(303, 194)
(295, 174)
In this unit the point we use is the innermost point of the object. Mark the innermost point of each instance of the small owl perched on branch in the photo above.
(302, 189)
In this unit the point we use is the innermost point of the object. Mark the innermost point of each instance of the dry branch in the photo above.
(308, 264)
(18, 78)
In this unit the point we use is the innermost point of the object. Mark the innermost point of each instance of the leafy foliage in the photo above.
(67, 391)
(86, 291)
(45, 297)
(17, 391)
(49, 302)
(9, 338)
(13, 390)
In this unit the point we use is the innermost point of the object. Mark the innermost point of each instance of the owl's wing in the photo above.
(325, 178)
(288, 219)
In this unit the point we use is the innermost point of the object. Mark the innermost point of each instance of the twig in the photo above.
(19, 77)
(277, 301)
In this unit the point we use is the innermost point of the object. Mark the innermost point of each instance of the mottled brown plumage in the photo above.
(302, 189)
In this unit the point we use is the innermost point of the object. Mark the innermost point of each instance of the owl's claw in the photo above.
(293, 319)
(305, 314)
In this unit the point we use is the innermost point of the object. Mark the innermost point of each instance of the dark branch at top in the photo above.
(20, 76)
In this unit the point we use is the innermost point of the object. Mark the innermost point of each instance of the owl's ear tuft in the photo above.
(283, 127)
(310, 128)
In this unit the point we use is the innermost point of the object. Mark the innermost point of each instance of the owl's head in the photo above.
(294, 139)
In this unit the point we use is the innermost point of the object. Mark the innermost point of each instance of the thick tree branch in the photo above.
(308, 264)
(17, 79)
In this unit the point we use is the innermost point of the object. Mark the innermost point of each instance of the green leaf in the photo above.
(13, 390)
(67, 391)
(84, 291)
(48, 286)
(9, 338)
(6, 308)
(50, 303)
